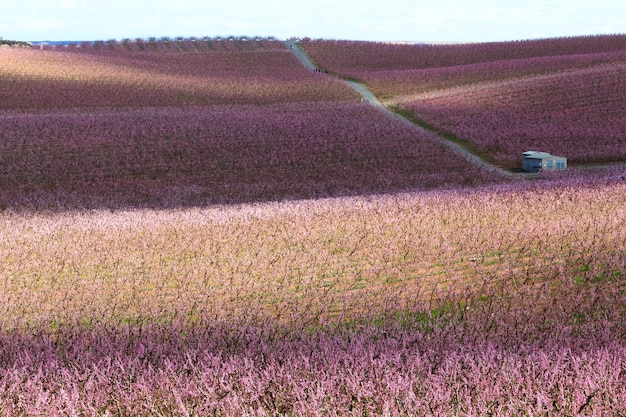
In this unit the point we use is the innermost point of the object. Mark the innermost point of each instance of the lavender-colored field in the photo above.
(193, 156)
(563, 96)
(201, 227)
(349, 58)
(577, 113)
(49, 79)
(135, 125)
(403, 83)
(434, 303)
(375, 370)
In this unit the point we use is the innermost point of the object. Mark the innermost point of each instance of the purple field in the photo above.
(577, 113)
(429, 303)
(192, 156)
(123, 78)
(372, 371)
(563, 96)
(350, 58)
(195, 227)
(120, 127)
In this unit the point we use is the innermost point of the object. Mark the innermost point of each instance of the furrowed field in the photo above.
(171, 245)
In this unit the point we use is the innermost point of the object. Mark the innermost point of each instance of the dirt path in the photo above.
(368, 96)
(303, 57)
(371, 98)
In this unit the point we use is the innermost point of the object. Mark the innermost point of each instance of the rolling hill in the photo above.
(207, 227)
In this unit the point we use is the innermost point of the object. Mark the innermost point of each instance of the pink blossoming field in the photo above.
(196, 227)
(564, 96)
(91, 77)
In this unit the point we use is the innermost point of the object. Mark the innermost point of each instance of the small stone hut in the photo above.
(534, 161)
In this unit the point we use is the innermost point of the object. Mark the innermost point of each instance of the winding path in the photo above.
(302, 56)
(368, 96)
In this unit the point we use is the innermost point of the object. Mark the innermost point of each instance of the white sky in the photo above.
(377, 20)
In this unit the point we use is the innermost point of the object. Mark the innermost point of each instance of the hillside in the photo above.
(129, 76)
(351, 58)
(207, 227)
(563, 96)
(126, 125)
(578, 113)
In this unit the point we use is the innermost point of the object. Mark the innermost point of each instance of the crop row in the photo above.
(578, 114)
(220, 154)
(345, 57)
(33, 79)
(506, 300)
(394, 85)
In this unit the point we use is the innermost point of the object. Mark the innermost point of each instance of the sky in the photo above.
(370, 20)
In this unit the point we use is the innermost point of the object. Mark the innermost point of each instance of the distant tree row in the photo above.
(164, 43)
(13, 43)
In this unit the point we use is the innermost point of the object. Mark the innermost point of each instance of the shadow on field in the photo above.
(201, 156)
(159, 187)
